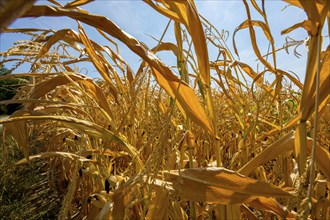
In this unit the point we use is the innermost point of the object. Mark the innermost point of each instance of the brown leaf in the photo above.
(219, 186)
(186, 13)
(19, 132)
(107, 26)
(51, 154)
(158, 209)
(88, 128)
(250, 24)
(284, 144)
(270, 204)
(186, 97)
(48, 85)
(76, 3)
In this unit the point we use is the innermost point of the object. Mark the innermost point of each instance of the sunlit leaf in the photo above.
(220, 186)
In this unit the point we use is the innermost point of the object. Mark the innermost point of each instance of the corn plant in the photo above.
(202, 140)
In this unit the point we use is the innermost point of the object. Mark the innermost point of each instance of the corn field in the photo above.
(201, 140)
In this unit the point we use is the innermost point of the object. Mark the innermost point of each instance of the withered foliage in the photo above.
(199, 142)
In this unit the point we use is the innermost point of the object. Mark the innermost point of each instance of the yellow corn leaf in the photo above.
(270, 204)
(319, 4)
(324, 87)
(313, 13)
(300, 143)
(186, 13)
(116, 57)
(322, 158)
(292, 122)
(58, 35)
(166, 46)
(249, 24)
(109, 27)
(19, 132)
(309, 78)
(97, 59)
(262, 25)
(158, 209)
(93, 50)
(219, 186)
(186, 97)
(49, 109)
(76, 3)
(256, 77)
(292, 78)
(160, 47)
(256, 6)
(269, 123)
(306, 24)
(87, 127)
(73, 106)
(20, 30)
(307, 105)
(107, 152)
(176, 212)
(106, 211)
(51, 154)
(46, 86)
(10, 10)
(118, 205)
(68, 35)
(282, 145)
(248, 213)
(121, 198)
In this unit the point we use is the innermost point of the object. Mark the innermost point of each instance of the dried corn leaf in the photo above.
(19, 132)
(307, 102)
(158, 209)
(282, 145)
(87, 127)
(309, 78)
(220, 186)
(76, 3)
(322, 158)
(249, 24)
(270, 204)
(121, 198)
(98, 60)
(107, 152)
(306, 24)
(300, 143)
(106, 211)
(58, 35)
(186, 97)
(176, 212)
(51, 154)
(48, 85)
(319, 4)
(186, 13)
(107, 26)
(324, 91)
(248, 213)
(250, 72)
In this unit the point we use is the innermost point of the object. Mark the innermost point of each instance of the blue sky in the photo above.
(140, 20)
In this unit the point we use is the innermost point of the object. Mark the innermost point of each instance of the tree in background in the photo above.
(8, 89)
